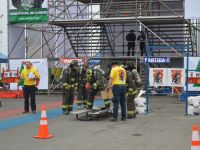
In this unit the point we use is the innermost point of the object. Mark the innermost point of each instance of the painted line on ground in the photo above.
(28, 119)
(18, 111)
(32, 118)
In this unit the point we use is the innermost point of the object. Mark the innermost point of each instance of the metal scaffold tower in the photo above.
(97, 29)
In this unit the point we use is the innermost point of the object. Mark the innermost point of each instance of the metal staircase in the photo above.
(173, 34)
(91, 41)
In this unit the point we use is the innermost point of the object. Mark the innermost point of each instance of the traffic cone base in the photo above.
(45, 137)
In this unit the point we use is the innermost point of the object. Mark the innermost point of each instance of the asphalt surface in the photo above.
(164, 128)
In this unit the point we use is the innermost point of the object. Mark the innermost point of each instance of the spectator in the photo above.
(118, 83)
(131, 37)
(31, 79)
(142, 38)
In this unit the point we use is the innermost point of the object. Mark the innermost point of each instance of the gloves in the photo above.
(94, 86)
(139, 84)
(66, 86)
(131, 91)
(76, 86)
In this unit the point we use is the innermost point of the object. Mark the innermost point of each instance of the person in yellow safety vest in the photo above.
(95, 83)
(69, 80)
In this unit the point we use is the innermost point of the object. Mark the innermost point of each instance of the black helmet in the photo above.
(74, 63)
(114, 63)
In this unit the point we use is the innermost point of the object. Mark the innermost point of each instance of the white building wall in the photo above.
(4, 27)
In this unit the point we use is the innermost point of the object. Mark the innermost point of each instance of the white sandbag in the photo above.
(140, 101)
(195, 102)
(198, 97)
(193, 111)
(190, 100)
(190, 110)
(141, 110)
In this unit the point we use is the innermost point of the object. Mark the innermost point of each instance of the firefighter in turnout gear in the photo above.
(95, 83)
(133, 80)
(82, 91)
(69, 80)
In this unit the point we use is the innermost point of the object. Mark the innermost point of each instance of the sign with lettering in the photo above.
(157, 60)
(28, 11)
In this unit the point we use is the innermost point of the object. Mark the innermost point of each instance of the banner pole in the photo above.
(147, 79)
(187, 68)
(26, 40)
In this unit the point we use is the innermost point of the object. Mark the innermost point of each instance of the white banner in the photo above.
(40, 64)
(157, 77)
(194, 72)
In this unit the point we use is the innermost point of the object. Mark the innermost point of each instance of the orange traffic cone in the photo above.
(43, 132)
(195, 145)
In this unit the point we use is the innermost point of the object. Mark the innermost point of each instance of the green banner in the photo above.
(198, 70)
(34, 15)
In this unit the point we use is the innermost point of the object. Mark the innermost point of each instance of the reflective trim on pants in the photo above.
(65, 106)
(131, 112)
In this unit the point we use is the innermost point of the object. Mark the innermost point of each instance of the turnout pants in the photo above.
(68, 99)
(29, 91)
(131, 110)
(82, 95)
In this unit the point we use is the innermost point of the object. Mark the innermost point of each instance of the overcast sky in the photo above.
(192, 9)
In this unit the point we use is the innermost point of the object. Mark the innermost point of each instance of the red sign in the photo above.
(193, 80)
(69, 60)
(10, 76)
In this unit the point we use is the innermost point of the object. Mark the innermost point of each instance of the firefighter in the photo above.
(69, 80)
(95, 83)
(82, 91)
(131, 94)
(133, 82)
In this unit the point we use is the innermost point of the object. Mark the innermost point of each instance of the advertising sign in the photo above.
(193, 73)
(10, 76)
(176, 77)
(157, 77)
(157, 60)
(28, 11)
(69, 60)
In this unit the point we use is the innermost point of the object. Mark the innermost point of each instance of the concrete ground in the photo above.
(165, 128)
